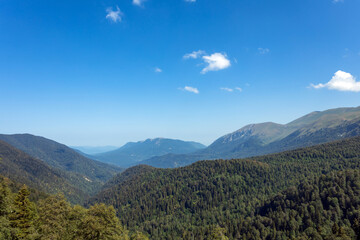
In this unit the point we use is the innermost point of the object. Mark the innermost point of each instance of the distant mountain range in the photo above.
(86, 174)
(134, 152)
(259, 139)
(93, 150)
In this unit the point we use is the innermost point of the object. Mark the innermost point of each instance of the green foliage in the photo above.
(5, 203)
(187, 202)
(218, 233)
(138, 236)
(54, 218)
(23, 215)
(327, 207)
(101, 222)
(54, 214)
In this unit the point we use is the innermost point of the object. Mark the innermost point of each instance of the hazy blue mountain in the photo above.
(93, 150)
(134, 152)
(84, 172)
(259, 139)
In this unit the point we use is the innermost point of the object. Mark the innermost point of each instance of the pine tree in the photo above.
(218, 233)
(5, 229)
(138, 236)
(53, 222)
(23, 215)
(101, 223)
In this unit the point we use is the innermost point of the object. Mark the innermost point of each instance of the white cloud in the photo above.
(263, 50)
(227, 89)
(194, 54)
(190, 0)
(158, 70)
(341, 81)
(337, 1)
(216, 62)
(231, 89)
(115, 16)
(138, 2)
(190, 89)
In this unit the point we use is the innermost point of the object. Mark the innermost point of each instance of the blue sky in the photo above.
(108, 72)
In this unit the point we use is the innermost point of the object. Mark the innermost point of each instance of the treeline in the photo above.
(186, 203)
(54, 218)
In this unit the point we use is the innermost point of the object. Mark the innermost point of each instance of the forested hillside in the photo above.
(327, 207)
(23, 169)
(54, 218)
(188, 202)
(85, 173)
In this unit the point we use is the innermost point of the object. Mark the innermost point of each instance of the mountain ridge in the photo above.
(22, 168)
(133, 152)
(80, 171)
(268, 137)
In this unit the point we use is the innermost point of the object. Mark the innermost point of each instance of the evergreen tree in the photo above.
(218, 233)
(138, 236)
(5, 229)
(101, 223)
(54, 214)
(23, 215)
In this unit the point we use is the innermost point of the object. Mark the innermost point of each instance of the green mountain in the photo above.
(134, 152)
(265, 138)
(22, 168)
(189, 202)
(83, 172)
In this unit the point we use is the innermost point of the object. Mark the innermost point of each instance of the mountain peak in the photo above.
(133, 152)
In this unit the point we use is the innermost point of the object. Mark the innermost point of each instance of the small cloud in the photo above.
(347, 53)
(194, 54)
(158, 70)
(341, 81)
(337, 1)
(227, 89)
(216, 62)
(138, 2)
(115, 16)
(190, 0)
(190, 89)
(263, 50)
(231, 89)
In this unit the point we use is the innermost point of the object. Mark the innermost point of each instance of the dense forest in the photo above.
(327, 207)
(54, 218)
(190, 202)
(308, 193)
